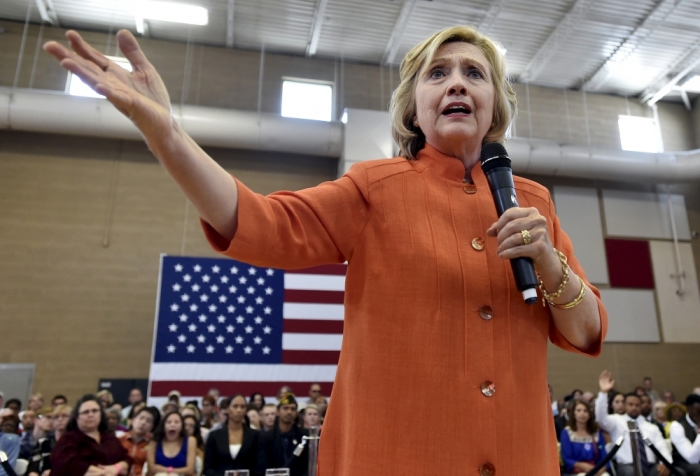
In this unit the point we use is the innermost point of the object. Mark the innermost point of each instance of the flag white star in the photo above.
(232, 289)
(258, 300)
(248, 349)
(249, 309)
(176, 287)
(173, 327)
(214, 288)
(212, 308)
(268, 290)
(210, 349)
(258, 320)
(234, 270)
(174, 307)
(261, 281)
(211, 328)
(190, 349)
(267, 329)
(229, 349)
(215, 269)
(239, 339)
(185, 297)
(183, 317)
(220, 339)
(268, 310)
(178, 267)
(231, 309)
(187, 278)
(171, 349)
(240, 319)
(192, 327)
(224, 279)
(222, 298)
(221, 319)
(201, 338)
(251, 271)
(230, 329)
(195, 288)
(202, 318)
(266, 350)
(182, 338)
(197, 268)
(257, 340)
(206, 278)
(204, 298)
(270, 272)
(248, 330)
(242, 280)
(251, 290)
(241, 299)
(193, 307)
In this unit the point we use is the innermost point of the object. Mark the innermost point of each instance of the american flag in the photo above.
(225, 324)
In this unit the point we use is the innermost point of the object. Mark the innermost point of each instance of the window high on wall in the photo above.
(639, 134)
(76, 87)
(307, 100)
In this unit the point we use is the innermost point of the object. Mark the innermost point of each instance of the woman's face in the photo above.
(311, 417)
(112, 421)
(581, 414)
(455, 98)
(258, 401)
(35, 403)
(89, 416)
(659, 414)
(105, 400)
(190, 426)
(60, 420)
(676, 413)
(322, 405)
(618, 404)
(173, 426)
(254, 418)
(236, 409)
(207, 409)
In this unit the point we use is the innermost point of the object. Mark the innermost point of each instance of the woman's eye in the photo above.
(437, 74)
(475, 73)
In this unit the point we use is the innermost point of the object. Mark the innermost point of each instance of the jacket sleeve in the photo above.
(567, 451)
(210, 455)
(689, 451)
(292, 230)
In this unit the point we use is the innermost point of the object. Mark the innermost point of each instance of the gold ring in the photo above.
(527, 239)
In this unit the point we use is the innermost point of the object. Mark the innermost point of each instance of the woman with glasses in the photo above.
(40, 463)
(87, 447)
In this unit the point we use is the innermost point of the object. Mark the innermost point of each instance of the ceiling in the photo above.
(626, 47)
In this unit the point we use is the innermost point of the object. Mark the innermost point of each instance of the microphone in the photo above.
(496, 166)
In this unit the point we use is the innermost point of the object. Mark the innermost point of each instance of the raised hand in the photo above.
(140, 95)
(605, 381)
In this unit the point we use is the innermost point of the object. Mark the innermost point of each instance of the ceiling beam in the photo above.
(687, 62)
(551, 45)
(641, 33)
(312, 45)
(47, 12)
(229, 23)
(392, 47)
(489, 19)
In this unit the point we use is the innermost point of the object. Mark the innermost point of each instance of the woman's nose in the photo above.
(457, 85)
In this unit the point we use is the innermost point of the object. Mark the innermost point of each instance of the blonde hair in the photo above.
(63, 408)
(105, 392)
(403, 102)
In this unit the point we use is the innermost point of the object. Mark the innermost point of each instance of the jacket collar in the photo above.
(448, 167)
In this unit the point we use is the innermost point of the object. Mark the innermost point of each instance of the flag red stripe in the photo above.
(161, 388)
(315, 297)
(313, 326)
(338, 269)
(317, 357)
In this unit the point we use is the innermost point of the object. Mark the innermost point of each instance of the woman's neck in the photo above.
(234, 425)
(581, 427)
(58, 434)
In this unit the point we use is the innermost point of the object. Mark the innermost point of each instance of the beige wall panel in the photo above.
(680, 315)
(631, 315)
(578, 210)
(644, 215)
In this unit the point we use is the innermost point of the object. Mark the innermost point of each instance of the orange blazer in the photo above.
(419, 341)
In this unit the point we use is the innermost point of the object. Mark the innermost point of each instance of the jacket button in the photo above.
(478, 244)
(487, 469)
(486, 312)
(488, 388)
(470, 189)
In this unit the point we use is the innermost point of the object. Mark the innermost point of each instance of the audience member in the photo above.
(40, 462)
(135, 396)
(312, 417)
(234, 446)
(561, 421)
(555, 404)
(223, 415)
(87, 446)
(139, 437)
(673, 412)
(169, 407)
(660, 413)
(649, 388)
(257, 400)
(322, 404)
(173, 451)
(105, 398)
(588, 397)
(616, 403)
(576, 394)
(284, 390)
(582, 443)
(647, 411)
(193, 429)
(14, 404)
(267, 417)
(134, 411)
(616, 425)
(9, 438)
(214, 392)
(36, 402)
(684, 438)
(58, 400)
(640, 391)
(277, 446)
(174, 397)
(209, 416)
(668, 397)
(114, 417)
(27, 440)
(253, 415)
(314, 392)
(191, 409)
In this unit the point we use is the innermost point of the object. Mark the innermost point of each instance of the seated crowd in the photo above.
(96, 437)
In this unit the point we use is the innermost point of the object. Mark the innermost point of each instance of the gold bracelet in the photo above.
(546, 297)
(576, 301)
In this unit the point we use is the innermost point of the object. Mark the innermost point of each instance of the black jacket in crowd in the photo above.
(271, 452)
(217, 454)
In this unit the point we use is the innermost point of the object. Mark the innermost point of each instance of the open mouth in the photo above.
(457, 109)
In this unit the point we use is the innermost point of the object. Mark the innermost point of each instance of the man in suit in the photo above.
(648, 412)
(685, 440)
(277, 446)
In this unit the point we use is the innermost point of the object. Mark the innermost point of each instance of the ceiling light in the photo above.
(693, 84)
(172, 12)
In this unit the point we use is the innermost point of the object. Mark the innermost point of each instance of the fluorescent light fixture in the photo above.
(76, 86)
(639, 134)
(171, 11)
(307, 100)
(693, 84)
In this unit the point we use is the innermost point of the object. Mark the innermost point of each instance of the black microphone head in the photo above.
(494, 155)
